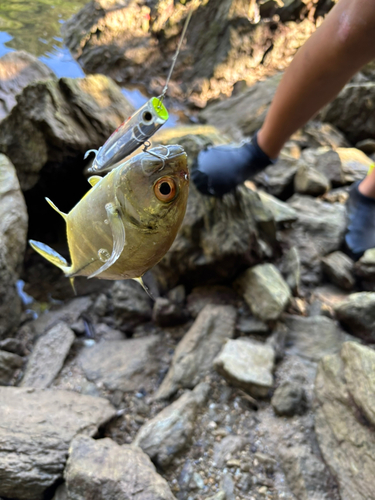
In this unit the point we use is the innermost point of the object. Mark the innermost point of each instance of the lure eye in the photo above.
(165, 189)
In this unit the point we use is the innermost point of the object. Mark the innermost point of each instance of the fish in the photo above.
(128, 220)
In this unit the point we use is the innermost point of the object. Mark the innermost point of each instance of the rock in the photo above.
(167, 313)
(316, 134)
(308, 180)
(61, 493)
(130, 304)
(247, 364)
(291, 269)
(278, 179)
(124, 365)
(250, 325)
(202, 296)
(170, 431)
(344, 418)
(326, 162)
(48, 356)
(367, 146)
(354, 163)
(289, 399)
(12, 345)
(195, 353)
(177, 295)
(37, 427)
(9, 364)
(68, 313)
(265, 291)
(281, 212)
(313, 337)
(102, 469)
(60, 119)
(364, 269)
(339, 269)
(17, 70)
(352, 111)
(357, 314)
(226, 447)
(13, 231)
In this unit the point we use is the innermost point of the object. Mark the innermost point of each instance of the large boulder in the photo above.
(345, 418)
(57, 121)
(17, 70)
(13, 231)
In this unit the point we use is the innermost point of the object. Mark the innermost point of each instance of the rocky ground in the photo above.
(250, 376)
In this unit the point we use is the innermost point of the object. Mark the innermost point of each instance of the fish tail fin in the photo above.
(63, 215)
(145, 288)
(52, 256)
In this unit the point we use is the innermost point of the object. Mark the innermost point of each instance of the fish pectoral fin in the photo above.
(145, 288)
(94, 179)
(50, 254)
(63, 215)
(118, 234)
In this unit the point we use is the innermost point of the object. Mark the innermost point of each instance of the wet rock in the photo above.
(265, 291)
(131, 305)
(9, 364)
(354, 164)
(224, 450)
(313, 337)
(167, 313)
(339, 269)
(170, 431)
(247, 364)
(357, 314)
(17, 70)
(289, 399)
(352, 111)
(68, 313)
(13, 229)
(344, 418)
(291, 269)
(60, 119)
(37, 427)
(48, 356)
(308, 180)
(195, 353)
(125, 365)
(102, 469)
(281, 212)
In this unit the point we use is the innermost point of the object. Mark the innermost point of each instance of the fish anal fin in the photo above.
(51, 255)
(118, 235)
(63, 215)
(94, 179)
(145, 288)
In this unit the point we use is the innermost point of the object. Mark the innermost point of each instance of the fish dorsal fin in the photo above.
(51, 255)
(64, 216)
(94, 179)
(118, 235)
(145, 288)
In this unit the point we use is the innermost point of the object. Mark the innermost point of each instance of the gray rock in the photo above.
(125, 365)
(344, 418)
(131, 305)
(265, 291)
(12, 345)
(327, 162)
(177, 295)
(170, 431)
(9, 364)
(102, 469)
(281, 212)
(289, 399)
(247, 364)
(195, 353)
(278, 179)
(339, 269)
(291, 269)
(13, 230)
(358, 124)
(250, 325)
(202, 296)
(17, 70)
(364, 269)
(308, 180)
(313, 337)
(61, 493)
(36, 429)
(60, 119)
(316, 134)
(167, 313)
(354, 164)
(226, 447)
(48, 356)
(357, 314)
(68, 313)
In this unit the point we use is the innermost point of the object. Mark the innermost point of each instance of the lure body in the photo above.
(128, 220)
(130, 135)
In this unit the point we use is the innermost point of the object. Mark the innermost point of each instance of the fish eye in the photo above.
(165, 189)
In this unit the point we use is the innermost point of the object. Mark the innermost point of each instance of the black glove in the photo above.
(219, 169)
